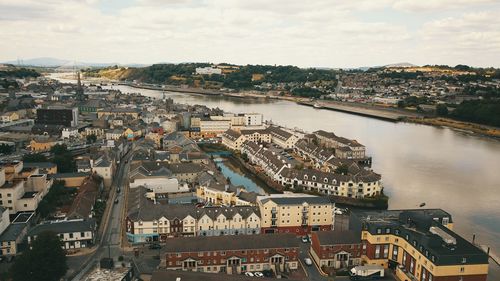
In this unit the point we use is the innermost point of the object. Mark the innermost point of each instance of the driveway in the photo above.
(311, 270)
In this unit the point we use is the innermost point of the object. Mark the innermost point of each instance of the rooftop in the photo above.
(218, 243)
(65, 226)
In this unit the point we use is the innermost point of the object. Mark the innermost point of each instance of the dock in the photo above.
(381, 114)
(490, 253)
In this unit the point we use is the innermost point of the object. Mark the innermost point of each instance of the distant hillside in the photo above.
(401, 64)
(63, 63)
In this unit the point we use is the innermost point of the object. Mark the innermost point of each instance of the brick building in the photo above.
(336, 249)
(232, 256)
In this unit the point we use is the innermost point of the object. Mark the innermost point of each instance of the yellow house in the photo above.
(130, 133)
(155, 137)
(9, 116)
(41, 145)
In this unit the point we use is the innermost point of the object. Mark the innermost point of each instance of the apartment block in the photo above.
(419, 245)
(295, 213)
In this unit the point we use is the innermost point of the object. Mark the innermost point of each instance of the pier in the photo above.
(382, 114)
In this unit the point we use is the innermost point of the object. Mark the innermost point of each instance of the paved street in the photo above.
(109, 245)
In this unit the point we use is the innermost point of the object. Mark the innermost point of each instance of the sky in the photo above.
(306, 33)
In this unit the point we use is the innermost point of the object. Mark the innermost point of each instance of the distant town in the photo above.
(119, 186)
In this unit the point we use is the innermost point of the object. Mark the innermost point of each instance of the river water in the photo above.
(443, 168)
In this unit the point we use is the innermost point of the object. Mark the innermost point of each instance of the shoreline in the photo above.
(459, 126)
(365, 110)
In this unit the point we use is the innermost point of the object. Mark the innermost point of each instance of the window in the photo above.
(386, 251)
(395, 250)
(71, 235)
(82, 234)
(377, 251)
(387, 230)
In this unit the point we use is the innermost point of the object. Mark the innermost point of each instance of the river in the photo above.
(444, 168)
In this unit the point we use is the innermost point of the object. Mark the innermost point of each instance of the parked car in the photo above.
(249, 274)
(258, 274)
(116, 201)
(305, 239)
(308, 261)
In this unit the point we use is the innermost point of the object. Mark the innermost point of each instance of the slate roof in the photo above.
(218, 243)
(80, 225)
(294, 200)
(338, 237)
(415, 224)
(141, 208)
(41, 165)
(231, 134)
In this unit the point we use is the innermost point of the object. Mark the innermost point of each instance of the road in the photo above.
(110, 244)
(312, 270)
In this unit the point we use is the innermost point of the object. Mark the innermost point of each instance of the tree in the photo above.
(91, 138)
(63, 158)
(342, 169)
(36, 157)
(6, 149)
(441, 110)
(45, 261)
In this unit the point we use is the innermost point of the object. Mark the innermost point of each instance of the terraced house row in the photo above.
(364, 183)
(147, 221)
(232, 256)
(278, 213)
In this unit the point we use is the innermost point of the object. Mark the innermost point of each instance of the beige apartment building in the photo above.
(296, 213)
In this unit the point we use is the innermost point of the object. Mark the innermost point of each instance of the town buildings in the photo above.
(74, 234)
(336, 249)
(419, 245)
(147, 221)
(57, 116)
(295, 213)
(232, 256)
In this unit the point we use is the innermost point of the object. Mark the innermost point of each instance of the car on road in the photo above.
(116, 201)
(305, 239)
(249, 274)
(258, 274)
(308, 261)
(154, 246)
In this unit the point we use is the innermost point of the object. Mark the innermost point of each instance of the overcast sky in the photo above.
(322, 33)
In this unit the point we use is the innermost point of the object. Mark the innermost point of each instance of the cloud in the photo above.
(436, 5)
(337, 33)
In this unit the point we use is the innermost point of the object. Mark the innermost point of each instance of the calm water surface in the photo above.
(237, 177)
(441, 167)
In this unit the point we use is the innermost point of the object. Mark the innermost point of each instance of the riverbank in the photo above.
(464, 127)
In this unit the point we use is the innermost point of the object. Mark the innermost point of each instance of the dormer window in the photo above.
(325, 180)
(464, 260)
(313, 178)
(305, 177)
